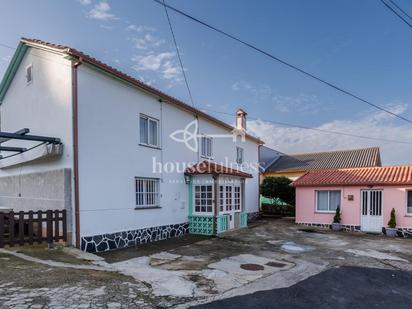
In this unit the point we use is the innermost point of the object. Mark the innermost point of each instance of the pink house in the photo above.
(365, 196)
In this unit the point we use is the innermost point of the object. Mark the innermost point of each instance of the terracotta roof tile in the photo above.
(387, 175)
(363, 157)
(84, 57)
(207, 167)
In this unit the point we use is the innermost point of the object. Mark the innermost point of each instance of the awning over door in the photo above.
(208, 167)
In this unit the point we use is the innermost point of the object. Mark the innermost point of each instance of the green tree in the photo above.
(336, 218)
(279, 187)
(392, 221)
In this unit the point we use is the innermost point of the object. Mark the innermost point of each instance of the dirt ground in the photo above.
(270, 254)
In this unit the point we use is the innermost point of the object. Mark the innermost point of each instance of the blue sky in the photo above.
(358, 45)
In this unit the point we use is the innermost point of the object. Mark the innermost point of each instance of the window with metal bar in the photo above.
(147, 192)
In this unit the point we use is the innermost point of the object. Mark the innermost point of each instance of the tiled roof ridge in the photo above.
(331, 151)
(375, 175)
(133, 80)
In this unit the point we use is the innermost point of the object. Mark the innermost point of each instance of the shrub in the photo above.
(336, 218)
(392, 221)
(279, 187)
(279, 210)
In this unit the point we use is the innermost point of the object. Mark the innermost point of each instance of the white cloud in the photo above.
(101, 11)
(262, 91)
(300, 103)
(148, 41)
(308, 103)
(377, 124)
(163, 63)
(151, 56)
(140, 28)
(85, 2)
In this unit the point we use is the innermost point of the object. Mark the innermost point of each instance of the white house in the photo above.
(124, 160)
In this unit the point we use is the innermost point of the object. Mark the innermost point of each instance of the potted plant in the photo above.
(336, 226)
(391, 230)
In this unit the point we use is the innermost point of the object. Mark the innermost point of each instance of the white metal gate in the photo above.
(371, 211)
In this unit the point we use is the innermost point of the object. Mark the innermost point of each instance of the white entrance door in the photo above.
(230, 201)
(371, 211)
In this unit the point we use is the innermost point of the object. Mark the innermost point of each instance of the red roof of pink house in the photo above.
(387, 175)
(207, 167)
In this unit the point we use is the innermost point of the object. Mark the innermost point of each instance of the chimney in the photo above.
(241, 120)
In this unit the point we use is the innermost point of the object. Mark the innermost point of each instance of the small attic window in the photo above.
(29, 74)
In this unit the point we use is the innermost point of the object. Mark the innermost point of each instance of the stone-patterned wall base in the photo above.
(111, 241)
(346, 227)
(251, 216)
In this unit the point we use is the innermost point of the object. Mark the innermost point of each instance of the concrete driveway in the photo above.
(270, 256)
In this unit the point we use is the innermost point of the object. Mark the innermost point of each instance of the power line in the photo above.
(7, 46)
(289, 124)
(396, 13)
(317, 129)
(282, 61)
(400, 9)
(178, 54)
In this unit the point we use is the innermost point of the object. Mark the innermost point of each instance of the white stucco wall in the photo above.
(43, 106)
(110, 156)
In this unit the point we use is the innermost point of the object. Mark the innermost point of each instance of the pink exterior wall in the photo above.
(393, 197)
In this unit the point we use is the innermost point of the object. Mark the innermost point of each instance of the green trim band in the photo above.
(12, 69)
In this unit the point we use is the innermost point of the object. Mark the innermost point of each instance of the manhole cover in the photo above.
(252, 267)
(275, 264)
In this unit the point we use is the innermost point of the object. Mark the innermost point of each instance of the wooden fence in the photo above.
(32, 226)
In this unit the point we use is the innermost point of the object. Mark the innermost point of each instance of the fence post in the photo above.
(1, 230)
(11, 228)
(30, 227)
(64, 218)
(21, 228)
(39, 226)
(49, 222)
(56, 226)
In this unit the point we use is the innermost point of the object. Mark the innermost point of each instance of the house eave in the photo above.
(12, 69)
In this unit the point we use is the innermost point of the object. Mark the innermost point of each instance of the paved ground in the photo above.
(345, 287)
(196, 270)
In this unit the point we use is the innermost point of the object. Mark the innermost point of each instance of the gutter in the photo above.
(76, 150)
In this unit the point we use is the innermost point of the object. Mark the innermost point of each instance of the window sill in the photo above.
(147, 207)
(324, 212)
(207, 158)
(408, 215)
(150, 146)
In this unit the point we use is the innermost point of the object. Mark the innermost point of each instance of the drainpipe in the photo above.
(215, 201)
(76, 150)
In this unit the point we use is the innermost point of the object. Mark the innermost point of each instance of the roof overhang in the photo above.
(76, 55)
(211, 168)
